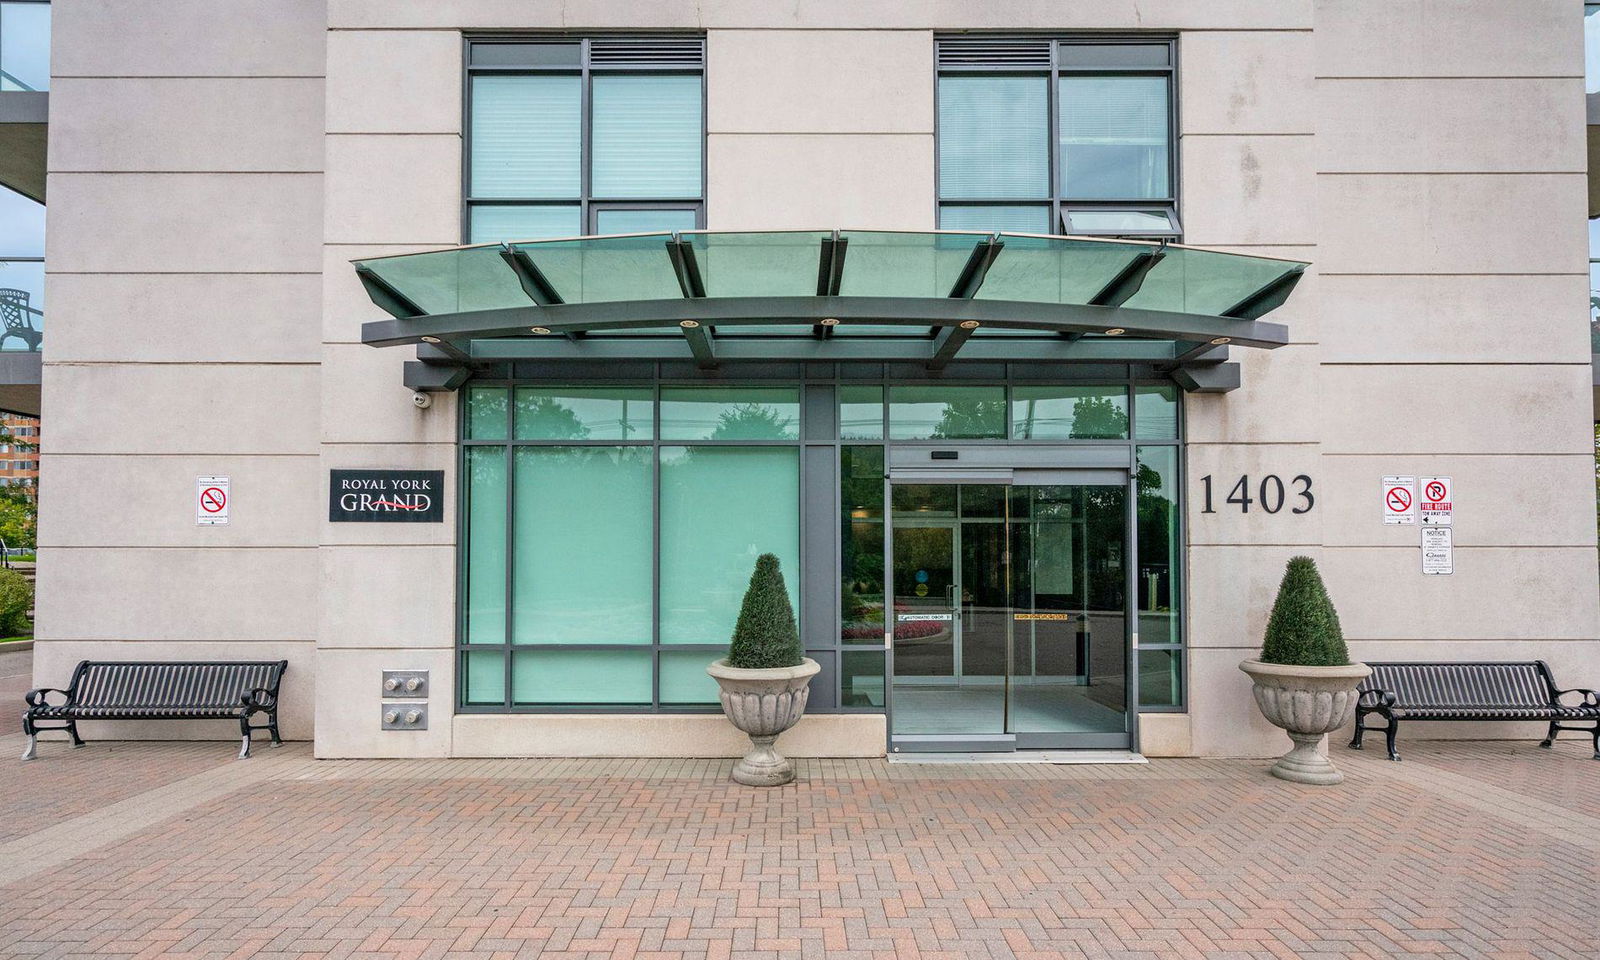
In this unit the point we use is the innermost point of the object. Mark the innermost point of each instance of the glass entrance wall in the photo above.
(1009, 610)
(608, 528)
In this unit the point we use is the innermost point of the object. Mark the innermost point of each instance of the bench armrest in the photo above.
(259, 699)
(1590, 697)
(38, 698)
(1376, 700)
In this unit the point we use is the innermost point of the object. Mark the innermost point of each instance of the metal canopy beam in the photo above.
(1267, 299)
(733, 312)
(764, 349)
(830, 276)
(699, 339)
(686, 267)
(386, 295)
(1207, 352)
(1128, 280)
(534, 284)
(949, 340)
(976, 268)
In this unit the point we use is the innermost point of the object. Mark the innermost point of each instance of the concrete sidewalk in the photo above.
(168, 849)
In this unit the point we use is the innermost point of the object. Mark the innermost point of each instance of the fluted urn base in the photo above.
(763, 704)
(1308, 703)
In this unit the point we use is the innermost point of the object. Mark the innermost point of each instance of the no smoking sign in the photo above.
(212, 499)
(1399, 499)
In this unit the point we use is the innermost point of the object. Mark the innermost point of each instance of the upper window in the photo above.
(574, 137)
(1057, 136)
(24, 45)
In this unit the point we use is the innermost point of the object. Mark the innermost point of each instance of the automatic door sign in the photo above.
(211, 501)
(1436, 506)
(1438, 552)
(1399, 499)
(386, 496)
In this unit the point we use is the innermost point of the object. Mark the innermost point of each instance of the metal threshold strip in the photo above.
(1024, 756)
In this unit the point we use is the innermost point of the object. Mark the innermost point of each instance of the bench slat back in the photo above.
(1462, 684)
(175, 686)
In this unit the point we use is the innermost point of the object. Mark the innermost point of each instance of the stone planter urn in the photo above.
(763, 703)
(1308, 703)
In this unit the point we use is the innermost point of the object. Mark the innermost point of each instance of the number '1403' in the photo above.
(1271, 494)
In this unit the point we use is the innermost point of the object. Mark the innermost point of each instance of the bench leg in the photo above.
(1549, 737)
(1361, 729)
(72, 728)
(1388, 736)
(244, 747)
(32, 749)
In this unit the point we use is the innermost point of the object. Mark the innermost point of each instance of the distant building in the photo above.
(19, 462)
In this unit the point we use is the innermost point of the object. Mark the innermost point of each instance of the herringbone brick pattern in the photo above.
(666, 859)
(67, 783)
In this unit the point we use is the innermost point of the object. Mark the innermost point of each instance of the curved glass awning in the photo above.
(856, 295)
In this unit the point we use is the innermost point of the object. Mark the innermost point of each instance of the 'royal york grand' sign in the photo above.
(386, 496)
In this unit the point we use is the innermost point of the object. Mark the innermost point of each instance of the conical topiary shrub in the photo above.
(765, 635)
(1303, 630)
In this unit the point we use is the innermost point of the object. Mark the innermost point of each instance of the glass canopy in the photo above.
(740, 296)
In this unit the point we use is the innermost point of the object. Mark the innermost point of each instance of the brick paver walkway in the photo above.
(1475, 851)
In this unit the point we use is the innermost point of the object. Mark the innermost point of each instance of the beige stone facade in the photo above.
(211, 174)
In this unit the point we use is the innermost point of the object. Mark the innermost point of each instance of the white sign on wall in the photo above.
(1399, 499)
(1438, 552)
(1436, 494)
(212, 500)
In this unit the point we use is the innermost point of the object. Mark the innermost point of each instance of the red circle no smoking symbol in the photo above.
(1399, 499)
(1435, 492)
(212, 499)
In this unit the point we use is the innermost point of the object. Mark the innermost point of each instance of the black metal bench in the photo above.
(166, 690)
(1472, 691)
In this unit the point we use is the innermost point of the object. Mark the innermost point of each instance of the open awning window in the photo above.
(718, 297)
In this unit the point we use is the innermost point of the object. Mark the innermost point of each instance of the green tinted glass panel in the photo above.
(883, 264)
(646, 136)
(994, 137)
(1160, 678)
(1055, 271)
(721, 507)
(486, 413)
(485, 511)
(585, 413)
(494, 223)
(582, 545)
(860, 413)
(483, 678)
(1019, 219)
(684, 680)
(879, 264)
(1113, 133)
(527, 136)
(947, 413)
(861, 544)
(1200, 281)
(559, 677)
(730, 413)
(643, 221)
(1155, 412)
(1160, 546)
(861, 678)
(767, 264)
(1069, 413)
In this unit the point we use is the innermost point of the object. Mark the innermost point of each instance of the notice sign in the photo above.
(1438, 552)
(1435, 500)
(924, 617)
(1399, 499)
(386, 496)
(212, 497)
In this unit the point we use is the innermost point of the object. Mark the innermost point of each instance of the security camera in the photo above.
(421, 400)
